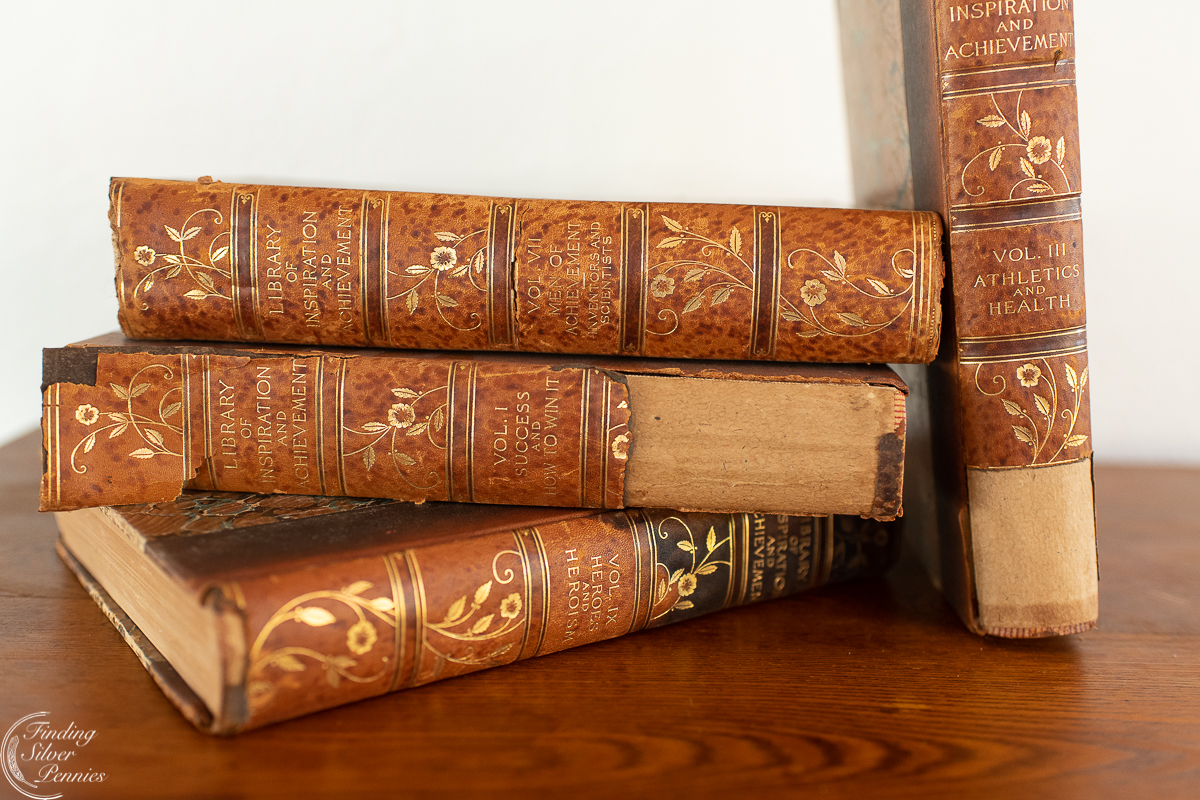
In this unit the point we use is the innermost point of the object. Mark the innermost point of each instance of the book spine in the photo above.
(322, 637)
(216, 261)
(995, 148)
(481, 432)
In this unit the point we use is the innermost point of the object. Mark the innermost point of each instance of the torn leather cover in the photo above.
(147, 425)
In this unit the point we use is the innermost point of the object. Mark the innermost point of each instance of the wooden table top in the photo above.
(867, 690)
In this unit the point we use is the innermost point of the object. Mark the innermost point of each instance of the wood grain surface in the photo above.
(868, 690)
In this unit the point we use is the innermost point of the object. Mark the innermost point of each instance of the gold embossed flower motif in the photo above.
(662, 285)
(401, 415)
(443, 258)
(687, 584)
(1029, 375)
(1038, 149)
(144, 255)
(620, 446)
(361, 637)
(813, 292)
(510, 607)
(87, 414)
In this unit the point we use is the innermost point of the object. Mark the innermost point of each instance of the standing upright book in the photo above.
(982, 97)
(249, 610)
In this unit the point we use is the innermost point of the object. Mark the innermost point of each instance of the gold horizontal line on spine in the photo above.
(1024, 356)
(1007, 88)
(1015, 223)
(1021, 337)
(979, 468)
(1054, 198)
(1007, 68)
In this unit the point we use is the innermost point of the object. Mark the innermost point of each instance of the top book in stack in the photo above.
(332, 267)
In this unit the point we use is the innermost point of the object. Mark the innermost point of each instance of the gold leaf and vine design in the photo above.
(198, 271)
(153, 433)
(1033, 152)
(403, 420)
(1038, 426)
(722, 270)
(671, 589)
(444, 265)
(469, 631)
(361, 638)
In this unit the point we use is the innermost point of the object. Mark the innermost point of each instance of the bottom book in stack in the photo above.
(252, 609)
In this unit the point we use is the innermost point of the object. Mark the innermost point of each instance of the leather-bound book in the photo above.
(251, 609)
(336, 267)
(129, 422)
(969, 109)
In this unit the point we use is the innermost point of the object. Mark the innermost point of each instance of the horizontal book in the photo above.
(248, 610)
(130, 422)
(340, 267)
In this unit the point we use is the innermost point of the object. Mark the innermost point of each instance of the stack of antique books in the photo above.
(358, 441)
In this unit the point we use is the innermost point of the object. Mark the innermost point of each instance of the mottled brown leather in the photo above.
(1010, 148)
(128, 422)
(995, 150)
(366, 426)
(364, 618)
(208, 260)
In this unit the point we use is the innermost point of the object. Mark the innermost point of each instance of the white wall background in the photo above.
(681, 100)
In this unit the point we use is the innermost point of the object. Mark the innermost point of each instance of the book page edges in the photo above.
(169, 681)
(1034, 546)
(831, 445)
